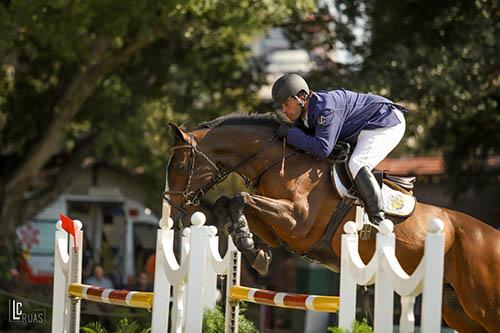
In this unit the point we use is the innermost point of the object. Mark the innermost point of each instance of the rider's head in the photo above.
(291, 93)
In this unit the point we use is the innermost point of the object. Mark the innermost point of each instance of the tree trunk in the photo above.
(11, 212)
(17, 208)
(15, 204)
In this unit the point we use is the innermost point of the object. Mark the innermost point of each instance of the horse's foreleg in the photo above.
(281, 214)
(230, 211)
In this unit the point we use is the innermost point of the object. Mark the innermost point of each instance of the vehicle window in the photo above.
(145, 235)
(46, 238)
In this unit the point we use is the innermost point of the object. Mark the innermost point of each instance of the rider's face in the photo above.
(292, 108)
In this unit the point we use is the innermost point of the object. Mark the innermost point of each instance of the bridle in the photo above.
(193, 196)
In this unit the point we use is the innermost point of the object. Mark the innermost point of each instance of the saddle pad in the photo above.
(395, 203)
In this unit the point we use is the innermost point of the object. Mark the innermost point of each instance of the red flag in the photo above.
(69, 226)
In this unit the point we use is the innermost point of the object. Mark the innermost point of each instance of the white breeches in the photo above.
(374, 145)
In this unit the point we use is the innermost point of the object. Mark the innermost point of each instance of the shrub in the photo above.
(357, 327)
(213, 321)
(123, 327)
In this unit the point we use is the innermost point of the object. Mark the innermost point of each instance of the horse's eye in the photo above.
(180, 165)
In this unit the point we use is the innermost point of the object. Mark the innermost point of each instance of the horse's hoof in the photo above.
(261, 262)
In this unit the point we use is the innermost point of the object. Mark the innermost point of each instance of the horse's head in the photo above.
(205, 157)
(190, 172)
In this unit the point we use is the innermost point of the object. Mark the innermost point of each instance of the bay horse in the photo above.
(294, 201)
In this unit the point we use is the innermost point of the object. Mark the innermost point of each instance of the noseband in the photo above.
(192, 197)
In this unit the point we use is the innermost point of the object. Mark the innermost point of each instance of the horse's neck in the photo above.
(233, 144)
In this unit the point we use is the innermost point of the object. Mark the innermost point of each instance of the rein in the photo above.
(192, 197)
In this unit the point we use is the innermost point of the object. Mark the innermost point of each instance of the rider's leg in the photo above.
(369, 191)
(371, 148)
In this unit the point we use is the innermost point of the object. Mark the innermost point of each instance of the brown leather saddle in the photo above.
(340, 156)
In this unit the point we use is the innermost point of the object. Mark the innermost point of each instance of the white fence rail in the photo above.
(194, 278)
(385, 271)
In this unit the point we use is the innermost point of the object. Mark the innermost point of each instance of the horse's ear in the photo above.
(178, 133)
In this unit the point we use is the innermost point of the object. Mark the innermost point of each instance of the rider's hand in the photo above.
(282, 131)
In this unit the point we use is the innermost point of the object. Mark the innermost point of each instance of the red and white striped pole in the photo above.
(135, 299)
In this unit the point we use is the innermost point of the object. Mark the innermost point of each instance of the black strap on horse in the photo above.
(324, 244)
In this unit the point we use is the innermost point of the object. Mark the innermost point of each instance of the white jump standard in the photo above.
(194, 281)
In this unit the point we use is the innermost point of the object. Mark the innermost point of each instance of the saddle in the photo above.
(397, 191)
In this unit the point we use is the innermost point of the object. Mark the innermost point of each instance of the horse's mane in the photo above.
(271, 120)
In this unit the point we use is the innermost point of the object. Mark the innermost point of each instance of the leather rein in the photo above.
(192, 197)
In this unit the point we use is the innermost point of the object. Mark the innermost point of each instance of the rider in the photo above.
(373, 123)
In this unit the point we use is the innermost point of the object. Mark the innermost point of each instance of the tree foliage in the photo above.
(441, 58)
(103, 78)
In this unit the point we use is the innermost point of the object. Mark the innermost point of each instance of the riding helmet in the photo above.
(286, 86)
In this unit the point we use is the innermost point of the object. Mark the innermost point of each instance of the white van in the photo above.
(116, 229)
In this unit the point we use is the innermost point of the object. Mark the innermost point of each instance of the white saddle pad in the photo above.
(395, 202)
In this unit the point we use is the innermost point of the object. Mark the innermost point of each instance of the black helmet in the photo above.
(286, 86)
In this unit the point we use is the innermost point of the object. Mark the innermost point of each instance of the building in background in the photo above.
(119, 231)
(280, 58)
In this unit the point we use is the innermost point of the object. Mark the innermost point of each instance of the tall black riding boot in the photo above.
(371, 194)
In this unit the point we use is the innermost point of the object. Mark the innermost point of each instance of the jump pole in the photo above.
(236, 293)
(285, 300)
(134, 299)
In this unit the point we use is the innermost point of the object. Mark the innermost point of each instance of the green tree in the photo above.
(439, 57)
(102, 78)
(445, 59)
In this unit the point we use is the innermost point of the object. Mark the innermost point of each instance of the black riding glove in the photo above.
(282, 131)
(340, 152)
